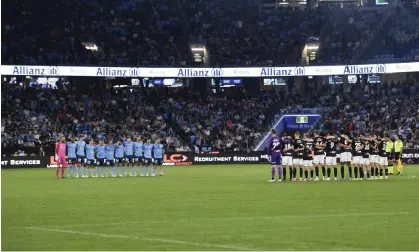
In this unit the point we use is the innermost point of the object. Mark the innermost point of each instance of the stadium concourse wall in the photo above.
(180, 159)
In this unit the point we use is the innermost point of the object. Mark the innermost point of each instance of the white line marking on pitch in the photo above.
(211, 245)
(284, 217)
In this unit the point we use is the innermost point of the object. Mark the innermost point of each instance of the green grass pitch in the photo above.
(217, 207)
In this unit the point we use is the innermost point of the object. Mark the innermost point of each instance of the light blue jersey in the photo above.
(90, 151)
(71, 149)
(138, 149)
(158, 150)
(110, 152)
(148, 149)
(119, 151)
(100, 151)
(81, 148)
(129, 148)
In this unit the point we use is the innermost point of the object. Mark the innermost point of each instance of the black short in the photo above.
(148, 161)
(158, 161)
(397, 155)
(72, 161)
(100, 162)
(119, 160)
(81, 159)
(110, 162)
(138, 159)
(129, 159)
(91, 162)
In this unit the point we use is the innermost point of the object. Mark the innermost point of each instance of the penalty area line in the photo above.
(198, 244)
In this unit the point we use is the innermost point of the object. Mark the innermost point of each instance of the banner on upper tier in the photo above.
(133, 72)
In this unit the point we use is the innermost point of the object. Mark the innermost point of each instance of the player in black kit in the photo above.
(308, 157)
(357, 148)
(298, 156)
(374, 157)
(366, 157)
(345, 155)
(331, 150)
(319, 145)
(287, 156)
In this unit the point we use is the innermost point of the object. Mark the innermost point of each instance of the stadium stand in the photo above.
(158, 33)
(399, 39)
(350, 32)
(136, 32)
(236, 34)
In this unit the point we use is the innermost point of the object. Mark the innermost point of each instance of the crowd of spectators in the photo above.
(400, 39)
(236, 33)
(349, 32)
(159, 33)
(133, 32)
(390, 108)
(34, 117)
(229, 123)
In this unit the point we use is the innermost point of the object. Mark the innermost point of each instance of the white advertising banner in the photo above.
(209, 72)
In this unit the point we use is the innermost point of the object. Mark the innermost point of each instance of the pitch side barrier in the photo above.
(410, 156)
(184, 72)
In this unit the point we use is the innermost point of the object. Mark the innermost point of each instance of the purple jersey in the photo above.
(276, 146)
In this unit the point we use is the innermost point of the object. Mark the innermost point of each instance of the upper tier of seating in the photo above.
(159, 33)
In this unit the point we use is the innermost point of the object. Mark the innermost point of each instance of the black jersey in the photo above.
(374, 150)
(382, 148)
(366, 149)
(357, 147)
(346, 147)
(331, 147)
(317, 142)
(308, 149)
(298, 144)
(288, 143)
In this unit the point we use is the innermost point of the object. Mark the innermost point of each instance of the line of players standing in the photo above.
(367, 154)
(132, 157)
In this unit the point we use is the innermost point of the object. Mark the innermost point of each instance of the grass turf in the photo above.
(217, 207)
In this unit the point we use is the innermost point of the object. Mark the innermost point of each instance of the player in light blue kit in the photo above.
(90, 155)
(129, 156)
(100, 155)
(81, 157)
(119, 156)
(72, 159)
(138, 156)
(158, 153)
(110, 158)
(148, 158)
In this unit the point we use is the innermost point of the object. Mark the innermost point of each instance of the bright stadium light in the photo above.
(313, 47)
(90, 46)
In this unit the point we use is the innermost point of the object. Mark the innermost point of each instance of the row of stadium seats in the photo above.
(350, 32)
(134, 32)
(158, 33)
(400, 39)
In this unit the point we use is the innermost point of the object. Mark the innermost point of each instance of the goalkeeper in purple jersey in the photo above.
(276, 146)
